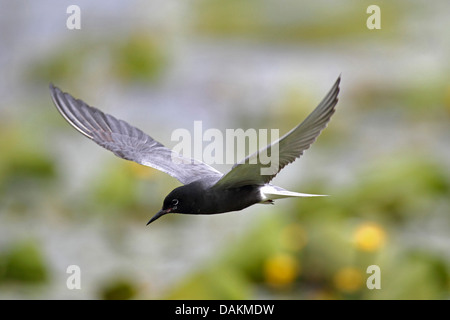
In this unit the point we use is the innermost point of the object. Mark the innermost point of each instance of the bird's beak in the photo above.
(158, 215)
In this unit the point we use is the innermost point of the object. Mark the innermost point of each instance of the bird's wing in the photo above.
(255, 170)
(126, 141)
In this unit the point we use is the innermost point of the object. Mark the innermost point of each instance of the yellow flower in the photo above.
(281, 269)
(348, 279)
(369, 236)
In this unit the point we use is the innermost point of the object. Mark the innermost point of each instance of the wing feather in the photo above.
(128, 142)
(290, 147)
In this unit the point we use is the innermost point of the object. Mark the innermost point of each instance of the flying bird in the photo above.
(205, 190)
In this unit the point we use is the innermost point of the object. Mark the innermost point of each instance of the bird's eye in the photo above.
(174, 202)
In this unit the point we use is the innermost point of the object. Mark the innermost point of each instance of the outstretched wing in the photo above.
(126, 141)
(254, 169)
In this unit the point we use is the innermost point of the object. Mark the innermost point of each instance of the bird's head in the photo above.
(177, 201)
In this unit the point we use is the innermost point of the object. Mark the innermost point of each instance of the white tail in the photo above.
(270, 192)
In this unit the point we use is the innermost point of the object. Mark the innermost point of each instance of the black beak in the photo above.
(158, 215)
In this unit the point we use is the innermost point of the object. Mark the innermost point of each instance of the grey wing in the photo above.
(126, 141)
(256, 169)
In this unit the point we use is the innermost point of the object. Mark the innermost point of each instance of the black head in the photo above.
(180, 200)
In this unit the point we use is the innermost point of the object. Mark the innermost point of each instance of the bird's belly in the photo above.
(231, 200)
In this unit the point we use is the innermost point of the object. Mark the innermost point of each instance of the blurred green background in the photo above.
(160, 65)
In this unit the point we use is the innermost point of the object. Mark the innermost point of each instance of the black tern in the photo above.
(205, 190)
